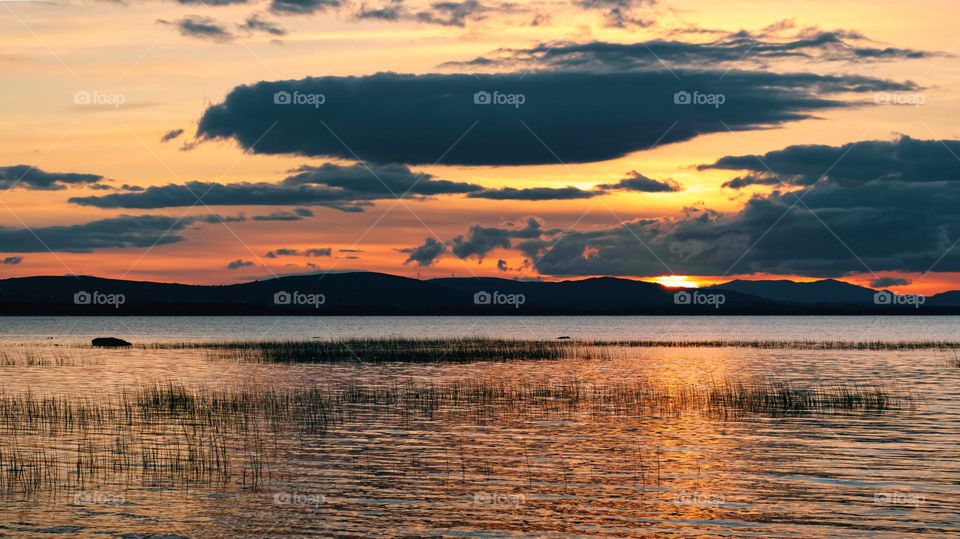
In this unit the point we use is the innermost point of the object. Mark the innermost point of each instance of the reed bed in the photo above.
(44, 357)
(168, 434)
(466, 350)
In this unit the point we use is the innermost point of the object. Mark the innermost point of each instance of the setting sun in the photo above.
(677, 281)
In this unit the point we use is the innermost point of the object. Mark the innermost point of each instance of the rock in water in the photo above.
(110, 342)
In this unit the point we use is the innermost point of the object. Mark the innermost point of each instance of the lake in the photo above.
(188, 441)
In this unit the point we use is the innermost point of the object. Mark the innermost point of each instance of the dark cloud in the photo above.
(347, 188)
(315, 252)
(239, 264)
(27, 177)
(904, 159)
(215, 219)
(827, 230)
(581, 117)
(736, 50)
(535, 193)
(392, 11)
(480, 240)
(453, 13)
(201, 28)
(11, 260)
(254, 23)
(383, 180)
(302, 7)
(128, 187)
(170, 135)
(502, 265)
(638, 182)
(211, 2)
(619, 13)
(884, 282)
(115, 233)
(426, 254)
(297, 214)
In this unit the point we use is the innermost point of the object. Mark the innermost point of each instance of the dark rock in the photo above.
(110, 342)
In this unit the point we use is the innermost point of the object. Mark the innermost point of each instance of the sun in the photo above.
(676, 281)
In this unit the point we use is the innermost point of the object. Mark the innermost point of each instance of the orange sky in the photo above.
(51, 51)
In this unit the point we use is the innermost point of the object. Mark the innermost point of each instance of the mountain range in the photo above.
(365, 293)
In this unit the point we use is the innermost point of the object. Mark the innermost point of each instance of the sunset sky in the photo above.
(228, 140)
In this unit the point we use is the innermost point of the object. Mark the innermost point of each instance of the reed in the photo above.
(466, 350)
(172, 435)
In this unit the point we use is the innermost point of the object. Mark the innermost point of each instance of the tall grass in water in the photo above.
(464, 350)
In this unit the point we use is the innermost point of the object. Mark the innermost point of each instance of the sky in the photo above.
(223, 141)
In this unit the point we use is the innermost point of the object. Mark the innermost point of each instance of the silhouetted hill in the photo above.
(364, 293)
(826, 291)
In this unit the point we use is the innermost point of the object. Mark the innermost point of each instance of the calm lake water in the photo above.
(513, 472)
(154, 329)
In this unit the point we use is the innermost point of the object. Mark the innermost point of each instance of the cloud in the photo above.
(535, 193)
(238, 264)
(426, 254)
(302, 7)
(480, 240)
(619, 13)
(832, 229)
(444, 13)
(28, 177)
(201, 28)
(11, 260)
(903, 159)
(114, 233)
(170, 135)
(638, 182)
(391, 11)
(254, 23)
(344, 187)
(433, 116)
(738, 50)
(298, 214)
(209, 3)
(884, 282)
(450, 13)
(315, 252)
(502, 265)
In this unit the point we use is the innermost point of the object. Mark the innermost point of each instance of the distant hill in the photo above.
(826, 291)
(363, 293)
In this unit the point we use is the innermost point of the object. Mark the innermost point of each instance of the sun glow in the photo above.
(676, 281)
